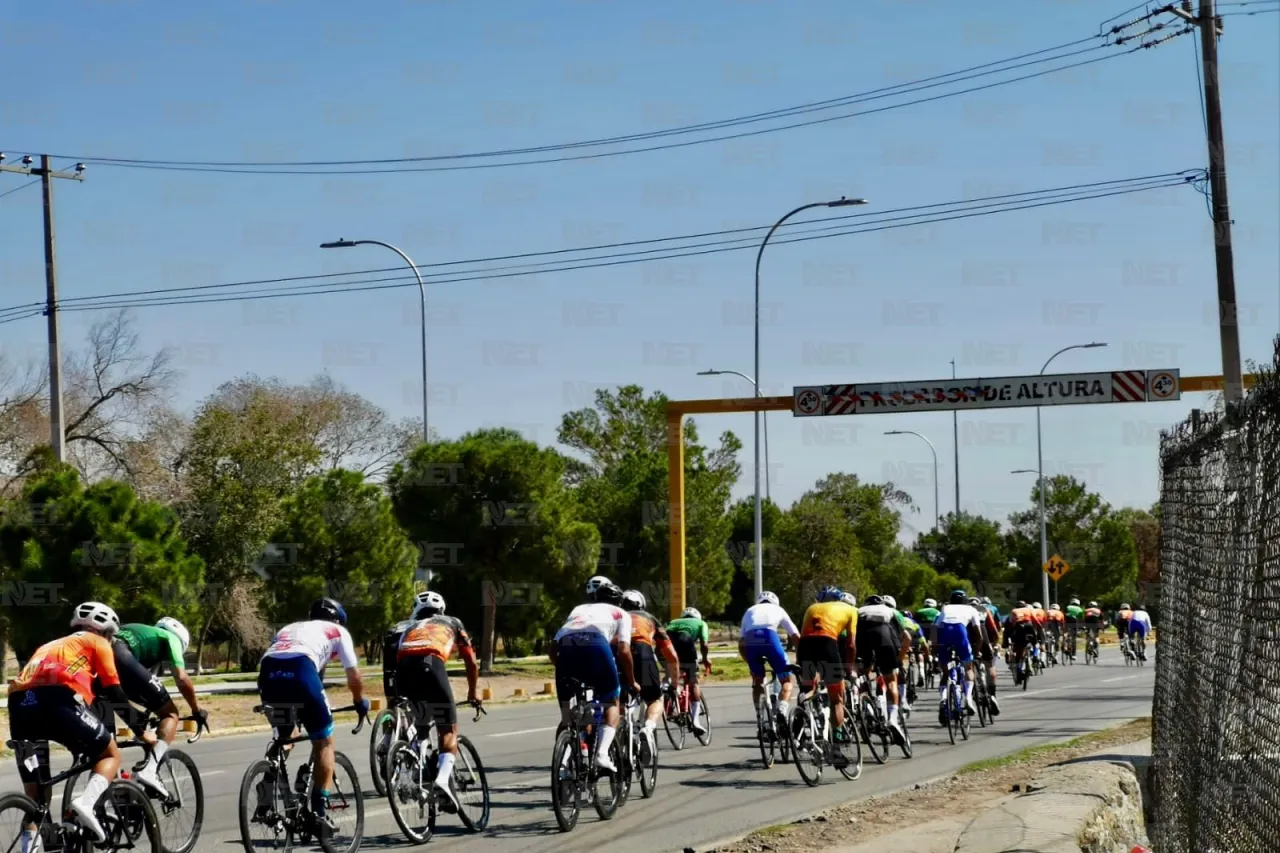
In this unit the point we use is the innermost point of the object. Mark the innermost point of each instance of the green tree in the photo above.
(495, 520)
(741, 550)
(620, 476)
(967, 546)
(815, 546)
(62, 543)
(338, 538)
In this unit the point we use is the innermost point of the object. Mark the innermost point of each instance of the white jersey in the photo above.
(613, 623)
(316, 639)
(771, 616)
(1141, 617)
(876, 614)
(959, 614)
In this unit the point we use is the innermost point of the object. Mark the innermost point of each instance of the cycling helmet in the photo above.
(890, 601)
(595, 584)
(1093, 604)
(908, 614)
(1055, 606)
(428, 604)
(959, 596)
(173, 626)
(328, 610)
(767, 597)
(873, 600)
(1125, 607)
(1075, 602)
(829, 593)
(975, 601)
(97, 617)
(1035, 605)
(633, 599)
(986, 599)
(1021, 603)
(849, 599)
(691, 613)
(930, 602)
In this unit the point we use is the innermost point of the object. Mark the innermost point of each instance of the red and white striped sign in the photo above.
(1129, 386)
(841, 399)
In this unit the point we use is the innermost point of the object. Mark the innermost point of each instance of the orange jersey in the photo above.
(437, 636)
(1057, 616)
(1023, 614)
(73, 661)
(645, 629)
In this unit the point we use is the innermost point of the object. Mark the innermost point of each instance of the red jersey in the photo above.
(74, 661)
(436, 636)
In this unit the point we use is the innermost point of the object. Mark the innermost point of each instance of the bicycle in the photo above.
(1051, 650)
(980, 695)
(812, 731)
(873, 719)
(1127, 651)
(1140, 651)
(676, 718)
(285, 812)
(1091, 649)
(772, 729)
(953, 704)
(638, 759)
(390, 726)
(124, 812)
(181, 779)
(1069, 651)
(574, 774)
(410, 777)
(1037, 660)
(1023, 669)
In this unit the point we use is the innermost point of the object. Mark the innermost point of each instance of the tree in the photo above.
(341, 541)
(64, 542)
(620, 481)
(816, 546)
(967, 546)
(741, 549)
(494, 520)
(873, 510)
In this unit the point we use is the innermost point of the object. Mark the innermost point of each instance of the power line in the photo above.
(20, 187)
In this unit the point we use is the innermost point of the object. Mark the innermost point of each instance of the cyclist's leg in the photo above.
(776, 655)
(687, 653)
(438, 696)
(293, 683)
(61, 718)
(649, 678)
(753, 652)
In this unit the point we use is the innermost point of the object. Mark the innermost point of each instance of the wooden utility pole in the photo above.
(47, 173)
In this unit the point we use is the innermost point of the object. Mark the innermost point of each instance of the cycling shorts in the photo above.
(292, 687)
(423, 681)
(52, 713)
(761, 645)
(1137, 629)
(1024, 634)
(820, 657)
(586, 658)
(648, 675)
(954, 637)
(1123, 629)
(686, 646)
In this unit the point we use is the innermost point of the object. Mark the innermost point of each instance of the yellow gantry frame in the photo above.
(678, 410)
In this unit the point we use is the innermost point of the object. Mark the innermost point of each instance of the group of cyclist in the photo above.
(1029, 628)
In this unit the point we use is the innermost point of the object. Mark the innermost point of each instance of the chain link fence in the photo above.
(1216, 740)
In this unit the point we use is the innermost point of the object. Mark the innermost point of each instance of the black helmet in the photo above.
(604, 591)
(328, 610)
(959, 596)
(873, 600)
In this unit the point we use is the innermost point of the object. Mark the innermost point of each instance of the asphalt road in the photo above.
(704, 794)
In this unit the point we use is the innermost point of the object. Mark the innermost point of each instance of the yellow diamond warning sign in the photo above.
(1055, 567)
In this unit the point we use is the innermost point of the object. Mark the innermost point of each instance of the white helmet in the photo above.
(633, 599)
(1036, 605)
(1055, 606)
(428, 603)
(767, 597)
(691, 613)
(931, 602)
(847, 598)
(96, 616)
(890, 601)
(173, 626)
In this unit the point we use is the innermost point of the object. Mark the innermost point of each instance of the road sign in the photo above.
(1002, 392)
(808, 401)
(1055, 567)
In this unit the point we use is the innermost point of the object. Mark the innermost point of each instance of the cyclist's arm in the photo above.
(627, 665)
(187, 688)
(346, 653)
(670, 663)
(468, 654)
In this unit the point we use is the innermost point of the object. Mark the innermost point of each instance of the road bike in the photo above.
(410, 775)
(812, 731)
(575, 778)
(1127, 650)
(180, 810)
(873, 718)
(1051, 650)
(390, 726)
(640, 754)
(676, 718)
(284, 813)
(1069, 651)
(1037, 659)
(772, 729)
(981, 696)
(1091, 649)
(954, 708)
(124, 812)
(1140, 650)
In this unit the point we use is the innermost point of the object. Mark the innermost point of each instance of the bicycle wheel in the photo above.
(414, 811)
(626, 768)
(16, 812)
(471, 786)
(852, 768)
(766, 735)
(671, 721)
(949, 711)
(181, 813)
(263, 806)
(379, 745)
(704, 714)
(345, 808)
(805, 748)
(962, 709)
(567, 792)
(128, 819)
(980, 699)
(648, 765)
(873, 729)
(610, 796)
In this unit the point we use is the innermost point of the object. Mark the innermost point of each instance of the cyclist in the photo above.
(911, 629)
(1020, 633)
(689, 634)
(422, 679)
(583, 651)
(1041, 627)
(760, 642)
(927, 616)
(1139, 627)
(49, 701)
(920, 648)
(1094, 621)
(1122, 623)
(959, 630)
(289, 680)
(1075, 615)
(991, 608)
(987, 652)
(1056, 624)
(910, 654)
(879, 639)
(140, 653)
(648, 640)
(820, 652)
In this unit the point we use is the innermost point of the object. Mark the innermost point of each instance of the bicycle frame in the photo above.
(75, 832)
(277, 754)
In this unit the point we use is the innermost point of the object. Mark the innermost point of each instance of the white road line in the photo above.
(206, 773)
(1118, 678)
(523, 732)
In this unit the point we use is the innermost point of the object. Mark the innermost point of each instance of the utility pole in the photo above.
(47, 173)
(955, 436)
(1228, 325)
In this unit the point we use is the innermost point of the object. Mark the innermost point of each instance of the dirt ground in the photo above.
(967, 791)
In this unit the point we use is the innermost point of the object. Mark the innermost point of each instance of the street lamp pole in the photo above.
(840, 202)
(422, 294)
(937, 519)
(768, 494)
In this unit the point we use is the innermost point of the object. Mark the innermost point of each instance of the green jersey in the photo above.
(695, 628)
(927, 615)
(1075, 612)
(152, 646)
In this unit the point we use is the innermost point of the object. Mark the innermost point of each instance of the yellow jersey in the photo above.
(829, 619)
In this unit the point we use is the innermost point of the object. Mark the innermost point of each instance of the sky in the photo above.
(999, 294)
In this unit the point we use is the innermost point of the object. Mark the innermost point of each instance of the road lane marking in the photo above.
(523, 732)
(204, 773)
(1118, 678)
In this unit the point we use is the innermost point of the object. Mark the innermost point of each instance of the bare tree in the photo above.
(352, 432)
(22, 415)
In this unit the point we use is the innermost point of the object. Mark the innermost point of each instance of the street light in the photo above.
(768, 493)
(937, 520)
(840, 202)
(1040, 488)
(422, 293)
(1044, 535)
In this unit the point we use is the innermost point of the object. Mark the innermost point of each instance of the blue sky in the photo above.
(294, 81)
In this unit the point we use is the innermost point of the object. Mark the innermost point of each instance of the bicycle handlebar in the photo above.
(360, 711)
(480, 710)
